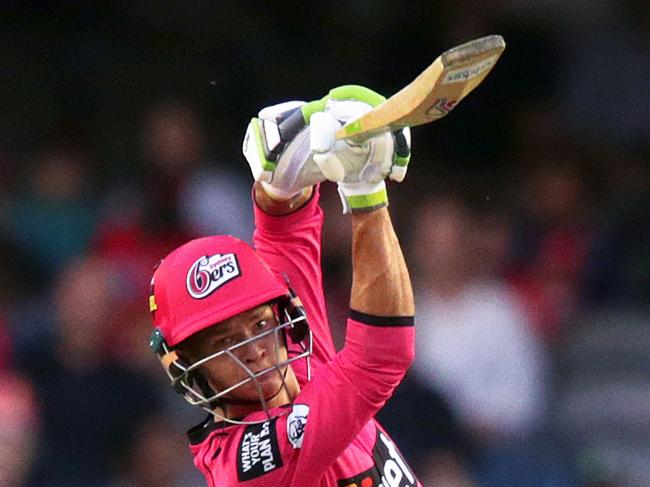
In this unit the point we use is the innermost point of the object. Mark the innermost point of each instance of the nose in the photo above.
(252, 352)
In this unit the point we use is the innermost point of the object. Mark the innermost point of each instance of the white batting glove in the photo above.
(359, 169)
(291, 146)
(276, 146)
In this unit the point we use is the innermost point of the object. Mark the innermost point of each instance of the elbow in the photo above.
(382, 344)
(411, 355)
(397, 350)
(405, 357)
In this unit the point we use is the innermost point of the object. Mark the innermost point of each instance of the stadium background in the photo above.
(524, 218)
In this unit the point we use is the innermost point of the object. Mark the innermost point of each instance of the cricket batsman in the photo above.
(243, 333)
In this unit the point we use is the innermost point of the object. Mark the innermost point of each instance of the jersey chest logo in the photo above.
(296, 423)
(390, 469)
(258, 451)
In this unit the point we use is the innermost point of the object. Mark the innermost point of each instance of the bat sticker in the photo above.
(441, 107)
(464, 74)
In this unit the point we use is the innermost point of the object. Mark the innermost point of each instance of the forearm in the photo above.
(380, 336)
(381, 285)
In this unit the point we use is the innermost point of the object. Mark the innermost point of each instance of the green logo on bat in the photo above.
(353, 127)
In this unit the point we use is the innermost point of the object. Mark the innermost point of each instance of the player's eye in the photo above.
(262, 325)
(224, 342)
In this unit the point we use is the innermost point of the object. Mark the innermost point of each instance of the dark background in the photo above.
(120, 133)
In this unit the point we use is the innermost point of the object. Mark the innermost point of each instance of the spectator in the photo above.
(476, 345)
(152, 458)
(430, 436)
(19, 429)
(618, 263)
(180, 194)
(52, 218)
(551, 243)
(89, 403)
(19, 418)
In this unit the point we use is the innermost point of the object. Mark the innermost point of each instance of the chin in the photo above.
(270, 384)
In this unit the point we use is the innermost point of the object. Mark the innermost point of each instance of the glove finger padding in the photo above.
(289, 148)
(322, 129)
(388, 156)
(263, 141)
(276, 146)
(401, 155)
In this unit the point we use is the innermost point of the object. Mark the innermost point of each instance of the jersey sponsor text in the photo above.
(258, 451)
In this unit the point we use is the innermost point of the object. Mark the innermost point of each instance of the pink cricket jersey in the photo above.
(328, 436)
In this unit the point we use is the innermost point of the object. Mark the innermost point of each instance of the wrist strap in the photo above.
(363, 197)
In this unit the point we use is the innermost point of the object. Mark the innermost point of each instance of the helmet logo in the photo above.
(210, 272)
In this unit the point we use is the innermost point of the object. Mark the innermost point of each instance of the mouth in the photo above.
(268, 376)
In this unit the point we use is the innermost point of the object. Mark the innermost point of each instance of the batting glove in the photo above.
(359, 169)
(276, 146)
(292, 146)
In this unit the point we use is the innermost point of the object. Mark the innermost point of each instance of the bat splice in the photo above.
(434, 93)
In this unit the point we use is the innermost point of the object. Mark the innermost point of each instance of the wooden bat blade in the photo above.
(434, 93)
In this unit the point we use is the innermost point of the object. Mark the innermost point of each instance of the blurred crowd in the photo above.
(524, 221)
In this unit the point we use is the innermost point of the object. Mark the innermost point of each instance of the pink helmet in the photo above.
(203, 283)
(206, 281)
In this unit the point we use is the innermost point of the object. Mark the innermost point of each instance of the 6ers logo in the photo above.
(211, 272)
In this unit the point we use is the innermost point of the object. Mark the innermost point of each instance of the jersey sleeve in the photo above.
(291, 245)
(334, 407)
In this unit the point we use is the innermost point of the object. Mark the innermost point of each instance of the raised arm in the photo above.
(347, 390)
(290, 147)
(379, 348)
(380, 280)
(381, 285)
(288, 238)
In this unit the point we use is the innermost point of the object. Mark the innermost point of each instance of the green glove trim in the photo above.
(353, 127)
(367, 202)
(345, 92)
(308, 109)
(401, 161)
(261, 150)
(356, 93)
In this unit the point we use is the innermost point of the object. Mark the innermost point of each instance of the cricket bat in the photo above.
(433, 94)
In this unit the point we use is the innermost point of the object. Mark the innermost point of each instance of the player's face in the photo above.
(265, 352)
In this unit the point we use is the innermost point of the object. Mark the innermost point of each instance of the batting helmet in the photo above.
(201, 284)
